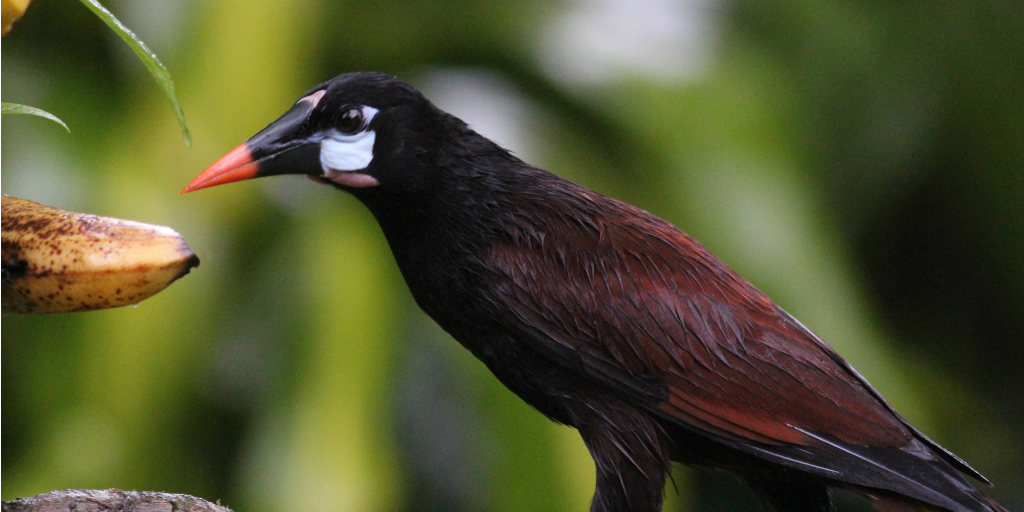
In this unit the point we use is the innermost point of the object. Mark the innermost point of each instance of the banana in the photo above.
(12, 10)
(55, 261)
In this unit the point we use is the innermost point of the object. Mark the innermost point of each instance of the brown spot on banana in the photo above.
(55, 261)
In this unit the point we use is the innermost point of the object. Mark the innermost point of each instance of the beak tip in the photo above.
(201, 181)
(234, 166)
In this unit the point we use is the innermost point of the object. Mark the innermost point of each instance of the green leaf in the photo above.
(14, 108)
(159, 72)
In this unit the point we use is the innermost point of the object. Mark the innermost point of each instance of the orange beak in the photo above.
(237, 165)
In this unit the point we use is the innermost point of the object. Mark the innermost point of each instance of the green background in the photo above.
(861, 162)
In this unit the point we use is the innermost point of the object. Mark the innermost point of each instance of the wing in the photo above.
(629, 301)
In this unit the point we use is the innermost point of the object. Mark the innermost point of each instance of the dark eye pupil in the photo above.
(351, 121)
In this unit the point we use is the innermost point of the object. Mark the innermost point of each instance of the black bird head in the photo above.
(356, 131)
(420, 171)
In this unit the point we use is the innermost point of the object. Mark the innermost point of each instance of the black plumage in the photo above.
(602, 316)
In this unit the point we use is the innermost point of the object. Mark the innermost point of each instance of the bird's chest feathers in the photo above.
(442, 272)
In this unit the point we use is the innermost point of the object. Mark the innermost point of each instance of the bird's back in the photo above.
(622, 300)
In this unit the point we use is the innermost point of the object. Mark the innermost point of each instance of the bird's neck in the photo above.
(463, 192)
(438, 231)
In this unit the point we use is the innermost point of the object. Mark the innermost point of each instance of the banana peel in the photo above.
(11, 10)
(55, 261)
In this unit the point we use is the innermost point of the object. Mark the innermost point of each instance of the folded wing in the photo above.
(629, 301)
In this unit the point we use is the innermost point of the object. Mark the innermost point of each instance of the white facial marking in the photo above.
(340, 154)
(314, 98)
(368, 113)
(347, 152)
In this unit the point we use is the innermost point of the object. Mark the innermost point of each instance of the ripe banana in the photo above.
(12, 10)
(55, 261)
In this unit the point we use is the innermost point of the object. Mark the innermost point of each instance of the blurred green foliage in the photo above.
(148, 58)
(861, 162)
(15, 108)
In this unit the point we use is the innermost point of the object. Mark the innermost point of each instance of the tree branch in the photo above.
(82, 500)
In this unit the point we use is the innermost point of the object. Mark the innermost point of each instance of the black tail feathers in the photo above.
(886, 501)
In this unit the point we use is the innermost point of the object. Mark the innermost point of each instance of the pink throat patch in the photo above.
(351, 179)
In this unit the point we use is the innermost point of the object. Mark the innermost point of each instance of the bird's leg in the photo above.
(630, 452)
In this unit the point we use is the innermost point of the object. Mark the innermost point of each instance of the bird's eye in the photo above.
(350, 121)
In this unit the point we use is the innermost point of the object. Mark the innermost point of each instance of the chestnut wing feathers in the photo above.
(638, 306)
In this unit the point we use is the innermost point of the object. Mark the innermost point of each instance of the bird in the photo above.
(602, 316)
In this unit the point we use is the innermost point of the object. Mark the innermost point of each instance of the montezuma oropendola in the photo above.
(602, 316)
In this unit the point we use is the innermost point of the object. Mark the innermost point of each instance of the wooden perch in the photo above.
(82, 500)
